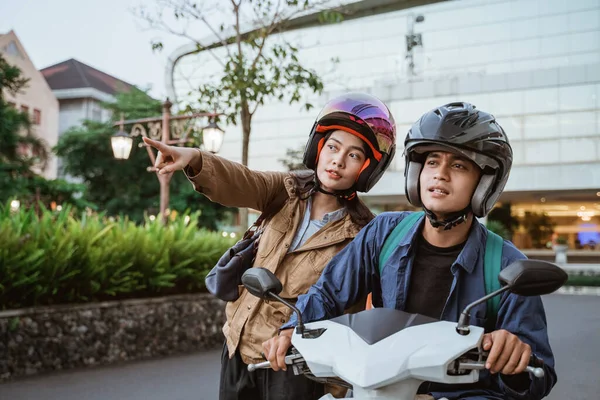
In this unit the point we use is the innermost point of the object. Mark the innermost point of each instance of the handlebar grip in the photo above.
(536, 371)
(289, 360)
(536, 366)
(479, 365)
(254, 367)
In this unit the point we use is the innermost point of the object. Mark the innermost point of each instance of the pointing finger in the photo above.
(160, 146)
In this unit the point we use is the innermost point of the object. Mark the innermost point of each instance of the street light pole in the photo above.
(159, 128)
(165, 180)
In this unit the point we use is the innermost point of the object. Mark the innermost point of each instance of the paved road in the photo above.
(574, 323)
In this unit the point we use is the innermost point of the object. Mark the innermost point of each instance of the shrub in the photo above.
(56, 257)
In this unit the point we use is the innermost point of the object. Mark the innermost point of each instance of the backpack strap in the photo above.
(491, 267)
(396, 236)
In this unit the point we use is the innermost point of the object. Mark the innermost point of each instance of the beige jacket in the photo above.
(250, 320)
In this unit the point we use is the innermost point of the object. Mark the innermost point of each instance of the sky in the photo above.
(104, 34)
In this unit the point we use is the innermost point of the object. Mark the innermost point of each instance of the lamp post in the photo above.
(212, 137)
(169, 129)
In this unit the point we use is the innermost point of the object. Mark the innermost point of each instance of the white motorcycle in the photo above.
(387, 354)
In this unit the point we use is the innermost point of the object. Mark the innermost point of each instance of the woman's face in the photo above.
(340, 161)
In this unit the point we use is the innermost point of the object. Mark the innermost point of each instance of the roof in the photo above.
(73, 74)
(10, 45)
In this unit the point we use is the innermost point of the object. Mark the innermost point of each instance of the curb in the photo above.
(579, 290)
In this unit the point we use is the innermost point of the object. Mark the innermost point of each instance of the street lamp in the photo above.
(169, 129)
(212, 137)
(121, 144)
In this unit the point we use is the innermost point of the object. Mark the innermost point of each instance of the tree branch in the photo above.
(157, 22)
(266, 34)
(202, 17)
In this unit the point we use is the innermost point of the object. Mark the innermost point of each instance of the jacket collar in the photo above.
(297, 183)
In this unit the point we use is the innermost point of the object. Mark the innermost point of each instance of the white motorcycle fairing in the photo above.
(390, 360)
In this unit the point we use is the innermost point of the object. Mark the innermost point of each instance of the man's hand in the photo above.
(507, 353)
(276, 348)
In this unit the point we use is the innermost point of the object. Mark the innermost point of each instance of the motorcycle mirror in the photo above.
(522, 277)
(532, 277)
(261, 283)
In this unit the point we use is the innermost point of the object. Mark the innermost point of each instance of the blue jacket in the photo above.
(354, 272)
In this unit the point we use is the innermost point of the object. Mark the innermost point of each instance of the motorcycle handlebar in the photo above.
(289, 360)
(536, 371)
(534, 367)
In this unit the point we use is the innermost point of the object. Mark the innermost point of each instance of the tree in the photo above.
(499, 229)
(502, 213)
(122, 187)
(539, 227)
(21, 152)
(257, 66)
(293, 160)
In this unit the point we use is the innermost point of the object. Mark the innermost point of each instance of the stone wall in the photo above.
(55, 338)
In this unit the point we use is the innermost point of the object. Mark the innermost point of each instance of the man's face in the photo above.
(447, 182)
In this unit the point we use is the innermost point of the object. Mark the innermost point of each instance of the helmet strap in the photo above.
(348, 194)
(451, 220)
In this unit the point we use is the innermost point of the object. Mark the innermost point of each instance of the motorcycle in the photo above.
(384, 354)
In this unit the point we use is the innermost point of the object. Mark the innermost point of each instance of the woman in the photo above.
(350, 146)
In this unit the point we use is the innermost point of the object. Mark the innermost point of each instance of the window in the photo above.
(25, 109)
(576, 98)
(540, 126)
(37, 117)
(96, 112)
(12, 104)
(13, 50)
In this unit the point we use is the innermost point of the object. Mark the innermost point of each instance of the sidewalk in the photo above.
(581, 269)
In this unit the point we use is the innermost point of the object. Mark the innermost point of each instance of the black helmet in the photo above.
(460, 128)
(366, 117)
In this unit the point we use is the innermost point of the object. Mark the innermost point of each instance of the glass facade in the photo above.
(535, 64)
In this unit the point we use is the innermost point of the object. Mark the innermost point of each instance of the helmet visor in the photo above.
(370, 110)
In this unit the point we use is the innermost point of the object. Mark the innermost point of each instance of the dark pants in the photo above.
(263, 384)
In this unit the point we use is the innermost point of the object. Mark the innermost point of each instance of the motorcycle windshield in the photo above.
(379, 323)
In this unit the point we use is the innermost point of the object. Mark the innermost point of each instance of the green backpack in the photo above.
(491, 263)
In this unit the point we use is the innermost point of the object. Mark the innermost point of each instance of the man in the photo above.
(458, 160)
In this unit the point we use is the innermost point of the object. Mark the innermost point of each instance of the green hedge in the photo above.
(583, 280)
(61, 258)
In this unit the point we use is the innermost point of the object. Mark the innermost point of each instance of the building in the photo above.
(36, 99)
(535, 64)
(80, 90)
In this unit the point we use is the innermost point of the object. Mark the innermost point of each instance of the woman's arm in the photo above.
(222, 181)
